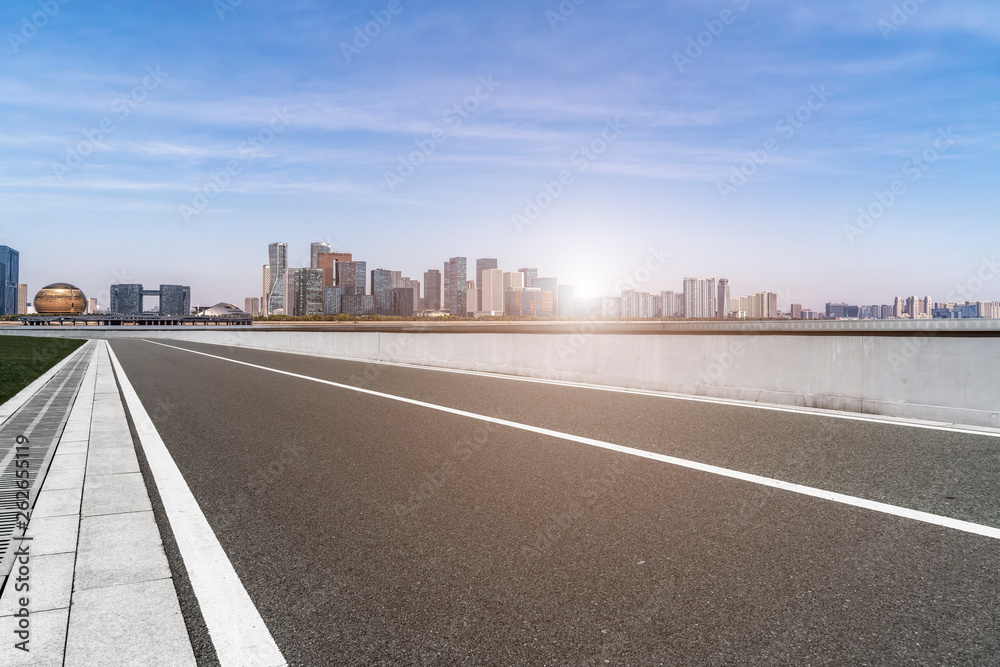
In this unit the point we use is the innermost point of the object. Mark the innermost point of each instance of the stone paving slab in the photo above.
(132, 624)
(101, 587)
(50, 581)
(48, 641)
(114, 494)
(116, 549)
(60, 534)
(58, 502)
(68, 478)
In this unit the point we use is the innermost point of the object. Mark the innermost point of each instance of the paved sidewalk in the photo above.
(101, 591)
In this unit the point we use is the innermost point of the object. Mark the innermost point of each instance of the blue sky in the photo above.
(117, 115)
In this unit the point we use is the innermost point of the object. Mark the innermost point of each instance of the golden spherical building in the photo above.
(60, 299)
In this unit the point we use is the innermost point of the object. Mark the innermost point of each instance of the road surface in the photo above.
(373, 530)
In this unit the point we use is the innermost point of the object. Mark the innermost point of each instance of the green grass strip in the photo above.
(24, 358)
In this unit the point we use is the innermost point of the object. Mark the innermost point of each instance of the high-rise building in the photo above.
(303, 292)
(490, 292)
(22, 299)
(842, 311)
(251, 306)
(529, 276)
(522, 301)
(126, 299)
(351, 274)
(470, 296)
(357, 304)
(656, 305)
(917, 308)
(9, 275)
(398, 302)
(989, 309)
(796, 311)
(432, 290)
(699, 298)
(481, 265)
(722, 301)
(264, 290)
(550, 285)
(415, 286)
(328, 262)
(611, 306)
(277, 254)
(314, 250)
(869, 312)
(899, 307)
(629, 303)
(513, 280)
(668, 301)
(762, 305)
(331, 299)
(455, 287)
(382, 281)
(175, 300)
(566, 301)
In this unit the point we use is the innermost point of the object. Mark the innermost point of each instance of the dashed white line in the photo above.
(884, 508)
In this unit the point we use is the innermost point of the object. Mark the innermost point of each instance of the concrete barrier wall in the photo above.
(920, 376)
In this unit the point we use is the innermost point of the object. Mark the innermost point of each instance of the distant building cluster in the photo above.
(914, 308)
(336, 283)
(706, 298)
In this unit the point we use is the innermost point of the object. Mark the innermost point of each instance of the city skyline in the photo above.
(783, 302)
(839, 153)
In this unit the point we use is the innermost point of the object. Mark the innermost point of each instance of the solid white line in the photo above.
(237, 630)
(735, 402)
(884, 508)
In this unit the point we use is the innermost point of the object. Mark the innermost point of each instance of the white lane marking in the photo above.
(237, 630)
(735, 402)
(884, 508)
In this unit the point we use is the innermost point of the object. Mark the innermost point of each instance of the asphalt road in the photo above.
(370, 531)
